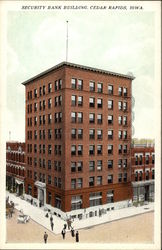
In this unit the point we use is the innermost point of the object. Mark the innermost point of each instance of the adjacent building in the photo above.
(78, 138)
(143, 172)
(15, 167)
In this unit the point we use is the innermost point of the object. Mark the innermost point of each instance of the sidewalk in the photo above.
(38, 215)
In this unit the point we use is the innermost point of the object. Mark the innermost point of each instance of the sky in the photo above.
(115, 41)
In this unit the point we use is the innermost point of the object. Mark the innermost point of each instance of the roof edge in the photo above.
(76, 66)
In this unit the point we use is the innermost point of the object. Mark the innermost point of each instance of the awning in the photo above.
(40, 184)
(19, 182)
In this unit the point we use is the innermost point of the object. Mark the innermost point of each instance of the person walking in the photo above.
(51, 218)
(52, 225)
(63, 233)
(45, 237)
(69, 223)
(72, 232)
(77, 236)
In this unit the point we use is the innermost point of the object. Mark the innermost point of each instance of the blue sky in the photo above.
(116, 41)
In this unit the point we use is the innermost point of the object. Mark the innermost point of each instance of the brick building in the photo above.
(15, 167)
(78, 138)
(143, 172)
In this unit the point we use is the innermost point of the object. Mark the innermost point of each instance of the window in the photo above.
(49, 118)
(44, 104)
(125, 91)
(99, 149)
(49, 133)
(73, 183)
(44, 149)
(95, 199)
(73, 166)
(147, 159)
(56, 85)
(44, 134)
(80, 84)
(49, 198)
(110, 196)
(73, 83)
(49, 149)
(110, 104)
(99, 103)
(92, 102)
(110, 89)
(73, 100)
(91, 181)
(60, 84)
(73, 150)
(110, 134)
(120, 105)
(55, 182)
(40, 105)
(49, 103)
(80, 101)
(35, 148)
(124, 106)
(49, 87)
(99, 134)
(120, 134)
(153, 174)
(35, 162)
(153, 158)
(120, 120)
(125, 134)
(120, 177)
(40, 148)
(44, 119)
(110, 119)
(125, 120)
(35, 120)
(40, 91)
(49, 164)
(119, 163)
(91, 134)
(35, 93)
(80, 166)
(73, 133)
(110, 163)
(73, 117)
(125, 177)
(92, 86)
(124, 163)
(120, 90)
(79, 182)
(60, 100)
(99, 165)
(91, 149)
(76, 202)
(80, 149)
(80, 117)
(80, 133)
(110, 178)
(140, 176)
(136, 160)
(91, 118)
(110, 149)
(125, 149)
(120, 149)
(99, 118)
(35, 107)
(99, 87)
(49, 179)
(99, 180)
(91, 165)
(44, 90)
(35, 134)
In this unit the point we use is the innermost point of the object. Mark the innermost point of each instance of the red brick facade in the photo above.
(65, 148)
(15, 166)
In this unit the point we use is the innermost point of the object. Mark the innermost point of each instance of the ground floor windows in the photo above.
(58, 201)
(76, 202)
(110, 196)
(95, 199)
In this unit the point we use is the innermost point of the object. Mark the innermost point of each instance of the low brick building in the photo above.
(15, 167)
(143, 172)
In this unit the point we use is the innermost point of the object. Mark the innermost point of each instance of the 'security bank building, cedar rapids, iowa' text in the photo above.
(78, 138)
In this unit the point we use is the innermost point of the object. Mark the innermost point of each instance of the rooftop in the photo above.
(128, 76)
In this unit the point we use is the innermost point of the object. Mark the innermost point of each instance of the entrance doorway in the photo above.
(147, 193)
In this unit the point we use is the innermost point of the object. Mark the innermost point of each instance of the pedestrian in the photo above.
(65, 225)
(52, 224)
(51, 218)
(63, 233)
(46, 215)
(45, 237)
(72, 232)
(11, 212)
(77, 236)
(31, 201)
(69, 223)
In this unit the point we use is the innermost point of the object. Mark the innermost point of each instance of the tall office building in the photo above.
(78, 137)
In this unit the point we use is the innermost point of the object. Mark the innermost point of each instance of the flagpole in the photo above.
(67, 42)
